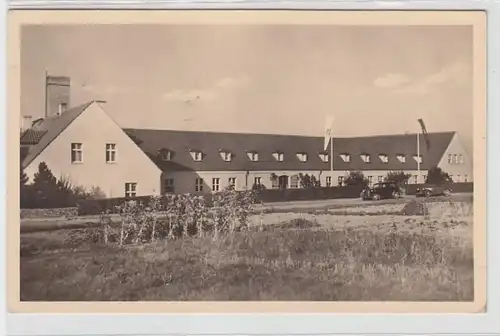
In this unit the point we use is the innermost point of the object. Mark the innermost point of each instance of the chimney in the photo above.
(25, 123)
(57, 95)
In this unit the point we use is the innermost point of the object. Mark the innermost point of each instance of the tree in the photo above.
(26, 198)
(356, 178)
(45, 187)
(397, 177)
(308, 181)
(436, 175)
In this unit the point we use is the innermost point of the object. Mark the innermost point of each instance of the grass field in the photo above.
(283, 256)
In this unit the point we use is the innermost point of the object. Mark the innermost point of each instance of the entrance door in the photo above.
(283, 182)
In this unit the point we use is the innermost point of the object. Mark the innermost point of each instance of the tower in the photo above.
(57, 95)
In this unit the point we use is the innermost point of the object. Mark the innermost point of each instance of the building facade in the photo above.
(85, 145)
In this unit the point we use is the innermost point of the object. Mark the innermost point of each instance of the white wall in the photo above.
(94, 128)
(184, 181)
(458, 172)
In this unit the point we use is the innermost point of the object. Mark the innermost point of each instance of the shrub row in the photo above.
(98, 206)
(49, 213)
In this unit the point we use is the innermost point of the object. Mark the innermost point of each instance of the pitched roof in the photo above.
(44, 132)
(210, 143)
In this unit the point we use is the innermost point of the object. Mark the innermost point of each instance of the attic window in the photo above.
(401, 158)
(253, 156)
(384, 158)
(323, 157)
(278, 156)
(302, 156)
(166, 155)
(365, 158)
(197, 155)
(418, 158)
(346, 157)
(226, 155)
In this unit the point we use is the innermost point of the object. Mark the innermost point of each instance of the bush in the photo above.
(174, 216)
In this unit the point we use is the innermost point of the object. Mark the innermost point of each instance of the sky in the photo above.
(281, 79)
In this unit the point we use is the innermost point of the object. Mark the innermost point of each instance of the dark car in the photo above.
(434, 190)
(383, 190)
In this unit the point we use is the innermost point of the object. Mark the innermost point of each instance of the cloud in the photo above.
(452, 75)
(211, 92)
(391, 81)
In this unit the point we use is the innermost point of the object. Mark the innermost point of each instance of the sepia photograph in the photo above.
(232, 157)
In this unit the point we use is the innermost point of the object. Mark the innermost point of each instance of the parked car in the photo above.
(434, 190)
(382, 190)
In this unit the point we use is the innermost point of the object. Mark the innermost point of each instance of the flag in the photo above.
(328, 131)
(424, 132)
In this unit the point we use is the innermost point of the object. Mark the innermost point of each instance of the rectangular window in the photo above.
(62, 108)
(215, 184)
(370, 180)
(340, 180)
(168, 185)
(130, 189)
(76, 153)
(294, 181)
(110, 153)
(328, 181)
(455, 158)
(465, 178)
(257, 180)
(460, 159)
(254, 156)
(380, 178)
(450, 158)
(232, 182)
(415, 179)
(198, 185)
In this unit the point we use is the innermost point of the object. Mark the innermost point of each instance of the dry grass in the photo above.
(290, 257)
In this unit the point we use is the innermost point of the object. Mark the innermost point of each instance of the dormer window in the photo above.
(302, 156)
(401, 158)
(365, 158)
(278, 156)
(196, 155)
(226, 155)
(166, 155)
(384, 158)
(323, 157)
(418, 158)
(345, 157)
(253, 156)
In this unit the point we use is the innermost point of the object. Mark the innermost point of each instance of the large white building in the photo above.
(85, 145)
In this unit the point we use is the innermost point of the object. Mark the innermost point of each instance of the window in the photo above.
(418, 158)
(294, 181)
(257, 180)
(402, 158)
(415, 179)
(460, 159)
(166, 155)
(384, 158)
(197, 155)
(275, 183)
(226, 156)
(458, 178)
(110, 153)
(370, 180)
(365, 158)
(425, 178)
(278, 156)
(380, 178)
(455, 158)
(168, 185)
(328, 181)
(323, 157)
(253, 156)
(302, 157)
(62, 107)
(130, 189)
(198, 185)
(450, 158)
(346, 157)
(76, 153)
(340, 180)
(232, 182)
(215, 184)
(465, 178)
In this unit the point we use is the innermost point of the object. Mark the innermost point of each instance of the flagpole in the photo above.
(418, 155)
(331, 156)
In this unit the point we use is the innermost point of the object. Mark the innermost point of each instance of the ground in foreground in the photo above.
(284, 263)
